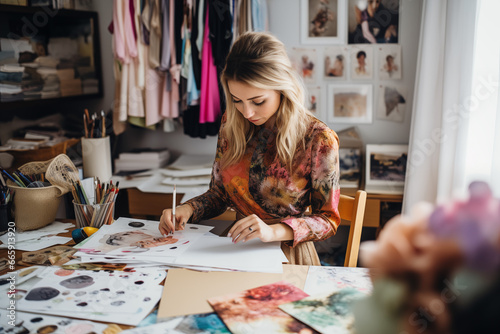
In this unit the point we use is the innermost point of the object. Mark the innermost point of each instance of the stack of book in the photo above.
(189, 170)
(142, 159)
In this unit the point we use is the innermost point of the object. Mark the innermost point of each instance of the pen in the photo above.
(103, 123)
(173, 209)
(2, 180)
(86, 122)
(13, 179)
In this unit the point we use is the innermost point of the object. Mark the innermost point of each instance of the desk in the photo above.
(199, 280)
(145, 205)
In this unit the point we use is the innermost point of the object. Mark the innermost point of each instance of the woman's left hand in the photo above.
(249, 228)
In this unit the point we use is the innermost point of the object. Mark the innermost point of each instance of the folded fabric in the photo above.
(11, 76)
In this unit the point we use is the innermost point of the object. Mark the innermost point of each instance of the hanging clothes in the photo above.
(168, 58)
(210, 101)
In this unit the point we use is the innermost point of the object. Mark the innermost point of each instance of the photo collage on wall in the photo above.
(350, 61)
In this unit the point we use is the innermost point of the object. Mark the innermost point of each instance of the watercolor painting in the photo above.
(392, 103)
(256, 310)
(349, 103)
(389, 60)
(330, 279)
(336, 60)
(49, 256)
(361, 62)
(141, 238)
(37, 323)
(350, 167)
(327, 313)
(84, 293)
(304, 61)
(322, 21)
(202, 323)
(386, 163)
(313, 98)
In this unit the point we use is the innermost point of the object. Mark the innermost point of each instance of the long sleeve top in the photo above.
(259, 183)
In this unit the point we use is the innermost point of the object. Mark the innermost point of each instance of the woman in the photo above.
(274, 159)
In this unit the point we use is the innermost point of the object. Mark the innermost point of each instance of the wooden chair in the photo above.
(352, 209)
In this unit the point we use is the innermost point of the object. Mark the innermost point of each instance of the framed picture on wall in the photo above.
(323, 21)
(361, 62)
(389, 62)
(373, 22)
(304, 60)
(313, 99)
(350, 103)
(391, 102)
(386, 168)
(350, 167)
(336, 60)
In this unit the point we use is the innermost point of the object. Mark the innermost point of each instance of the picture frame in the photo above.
(389, 62)
(350, 167)
(336, 60)
(313, 100)
(391, 102)
(350, 103)
(305, 62)
(385, 168)
(382, 19)
(323, 21)
(361, 62)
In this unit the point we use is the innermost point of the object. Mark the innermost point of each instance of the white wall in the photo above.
(284, 22)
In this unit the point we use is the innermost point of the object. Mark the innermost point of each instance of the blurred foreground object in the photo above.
(436, 270)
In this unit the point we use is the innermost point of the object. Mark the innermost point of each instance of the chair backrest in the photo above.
(352, 209)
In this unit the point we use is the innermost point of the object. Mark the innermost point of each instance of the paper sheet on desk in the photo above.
(52, 228)
(221, 252)
(125, 298)
(152, 183)
(41, 243)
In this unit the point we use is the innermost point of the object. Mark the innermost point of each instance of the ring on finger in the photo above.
(250, 228)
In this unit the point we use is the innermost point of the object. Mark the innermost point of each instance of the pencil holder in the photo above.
(96, 156)
(94, 215)
(34, 208)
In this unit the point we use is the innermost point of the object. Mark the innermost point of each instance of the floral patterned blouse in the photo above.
(259, 184)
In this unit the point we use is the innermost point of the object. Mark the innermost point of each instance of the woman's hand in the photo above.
(252, 227)
(182, 215)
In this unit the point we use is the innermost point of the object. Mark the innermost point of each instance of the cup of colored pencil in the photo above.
(97, 212)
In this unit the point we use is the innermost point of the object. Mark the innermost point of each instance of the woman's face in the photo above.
(361, 60)
(374, 4)
(255, 104)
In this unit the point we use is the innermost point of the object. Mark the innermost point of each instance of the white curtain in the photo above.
(455, 101)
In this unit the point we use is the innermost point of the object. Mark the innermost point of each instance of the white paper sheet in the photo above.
(221, 252)
(193, 161)
(41, 243)
(51, 229)
(136, 238)
(330, 279)
(35, 323)
(118, 297)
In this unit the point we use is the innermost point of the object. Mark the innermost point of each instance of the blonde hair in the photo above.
(260, 60)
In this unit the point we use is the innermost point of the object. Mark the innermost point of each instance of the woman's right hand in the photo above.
(182, 215)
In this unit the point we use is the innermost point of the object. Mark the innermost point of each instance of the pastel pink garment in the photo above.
(118, 31)
(152, 94)
(128, 26)
(209, 101)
